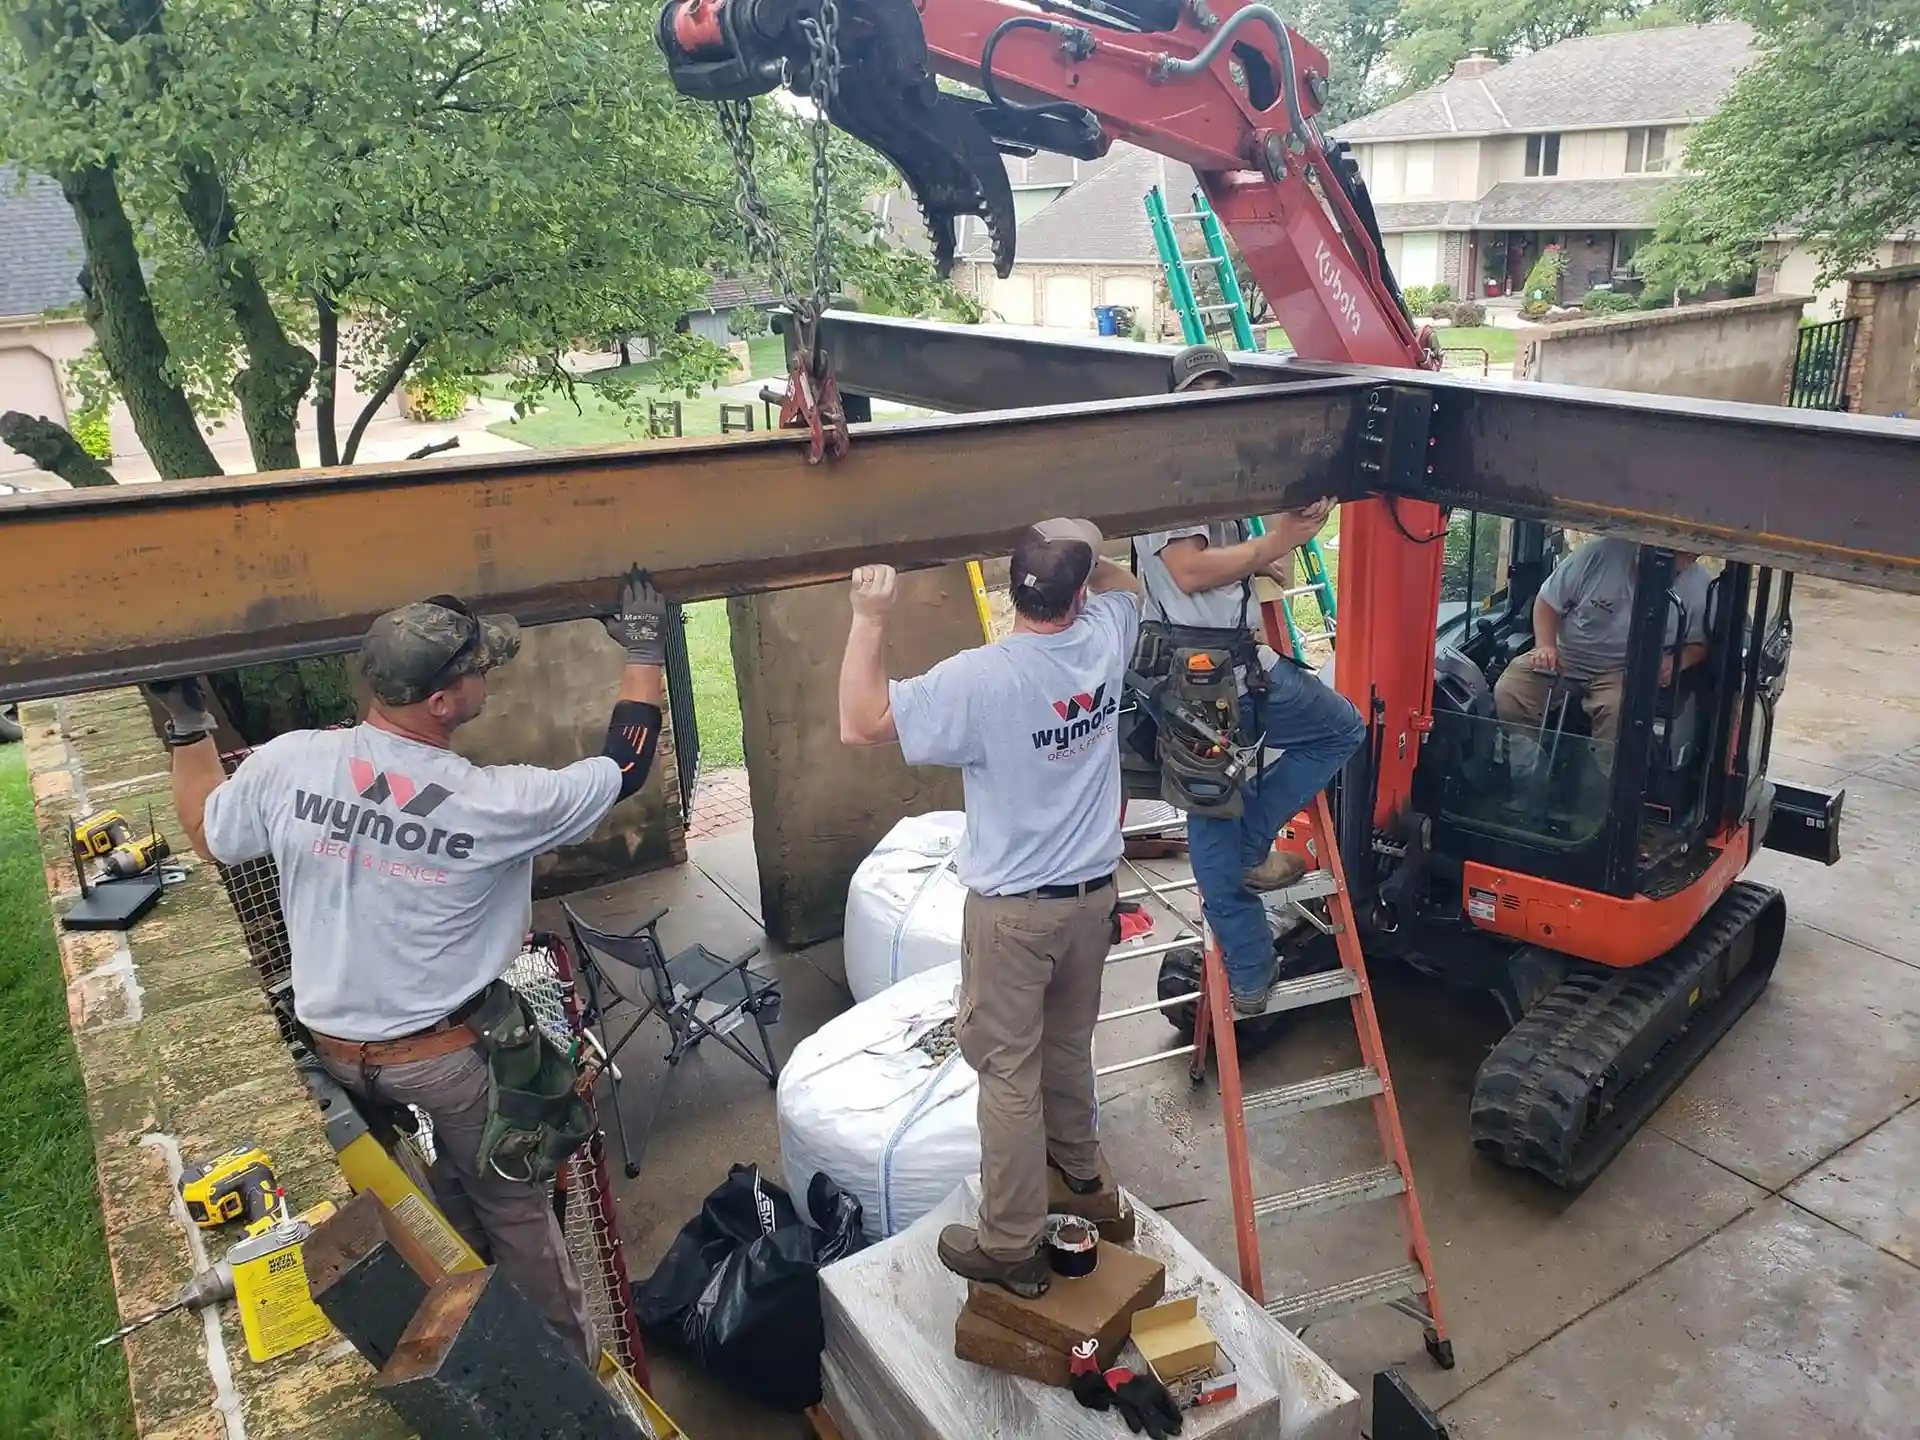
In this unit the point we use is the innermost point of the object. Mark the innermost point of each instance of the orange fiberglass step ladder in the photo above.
(1408, 1288)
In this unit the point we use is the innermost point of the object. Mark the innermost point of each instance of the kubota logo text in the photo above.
(1336, 286)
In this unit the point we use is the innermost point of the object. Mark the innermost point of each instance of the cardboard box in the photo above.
(1174, 1340)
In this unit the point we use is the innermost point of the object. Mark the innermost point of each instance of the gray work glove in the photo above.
(639, 622)
(188, 719)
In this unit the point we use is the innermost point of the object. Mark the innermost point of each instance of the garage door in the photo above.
(1419, 258)
(1069, 303)
(1013, 299)
(1136, 293)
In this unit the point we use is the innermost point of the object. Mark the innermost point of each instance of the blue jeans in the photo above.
(1317, 728)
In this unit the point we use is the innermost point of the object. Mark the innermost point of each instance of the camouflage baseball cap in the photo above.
(1195, 361)
(411, 652)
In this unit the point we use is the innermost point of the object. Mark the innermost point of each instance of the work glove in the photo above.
(639, 622)
(188, 719)
(1145, 1404)
(1086, 1379)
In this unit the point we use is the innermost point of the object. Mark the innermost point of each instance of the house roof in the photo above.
(900, 215)
(40, 252)
(727, 293)
(1676, 72)
(1537, 204)
(1103, 217)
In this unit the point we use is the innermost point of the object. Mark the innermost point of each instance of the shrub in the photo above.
(443, 399)
(91, 429)
(1440, 294)
(1440, 310)
(1607, 302)
(1467, 314)
(1418, 298)
(1543, 282)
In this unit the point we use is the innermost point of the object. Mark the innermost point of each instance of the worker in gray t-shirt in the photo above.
(1582, 619)
(406, 883)
(1031, 723)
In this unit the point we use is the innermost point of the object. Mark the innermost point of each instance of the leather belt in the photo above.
(443, 1037)
(1061, 892)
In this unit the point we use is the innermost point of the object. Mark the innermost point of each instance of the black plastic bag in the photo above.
(739, 1289)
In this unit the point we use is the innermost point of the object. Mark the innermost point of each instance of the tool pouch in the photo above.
(534, 1118)
(1185, 679)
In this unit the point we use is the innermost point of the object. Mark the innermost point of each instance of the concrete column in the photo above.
(549, 706)
(818, 805)
(1883, 372)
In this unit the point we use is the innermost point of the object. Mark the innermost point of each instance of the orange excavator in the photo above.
(1593, 886)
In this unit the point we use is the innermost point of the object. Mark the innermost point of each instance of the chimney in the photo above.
(1474, 62)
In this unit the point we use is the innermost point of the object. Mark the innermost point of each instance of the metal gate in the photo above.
(686, 721)
(1820, 364)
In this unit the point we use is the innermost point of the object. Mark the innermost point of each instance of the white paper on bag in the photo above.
(859, 1101)
(904, 906)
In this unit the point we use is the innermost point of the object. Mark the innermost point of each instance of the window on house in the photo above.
(1646, 150)
(1543, 155)
(1419, 179)
(1626, 243)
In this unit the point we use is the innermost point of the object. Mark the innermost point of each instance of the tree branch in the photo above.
(390, 380)
(425, 450)
(51, 446)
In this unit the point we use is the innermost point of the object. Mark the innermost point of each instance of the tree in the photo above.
(1432, 34)
(1819, 137)
(1355, 36)
(273, 193)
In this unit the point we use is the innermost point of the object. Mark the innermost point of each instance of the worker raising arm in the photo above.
(406, 881)
(1030, 722)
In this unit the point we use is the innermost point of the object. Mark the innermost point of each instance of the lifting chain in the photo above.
(813, 397)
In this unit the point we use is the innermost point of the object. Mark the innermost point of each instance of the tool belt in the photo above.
(535, 1116)
(1188, 743)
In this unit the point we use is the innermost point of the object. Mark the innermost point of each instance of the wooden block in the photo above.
(479, 1362)
(368, 1275)
(824, 1427)
(1102, 1207)
(981, 1341)
(1101, 1304)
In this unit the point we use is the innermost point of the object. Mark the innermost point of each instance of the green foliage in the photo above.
(746, 322)
(1355, 36)
(1429, 35)
(1819, 137)
(1440, 294)
(91, 428)
(1465, 314)
(56, 1292)
(1419, 299)
(1542, 289)
(442, 398)
(469, 185)
(1607, 302)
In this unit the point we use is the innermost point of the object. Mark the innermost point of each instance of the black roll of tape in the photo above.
(1073, 1245)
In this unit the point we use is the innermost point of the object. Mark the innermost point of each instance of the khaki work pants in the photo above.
(1030, 973)
(509, 1222)
(1521, 697)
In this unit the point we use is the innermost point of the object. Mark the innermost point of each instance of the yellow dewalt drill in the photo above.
(237, 1185)
(107, 837)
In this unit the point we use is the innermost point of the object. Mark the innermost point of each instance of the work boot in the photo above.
(1074, 1182)
(960, 1252)
(1253, 1002)
(1280, 869)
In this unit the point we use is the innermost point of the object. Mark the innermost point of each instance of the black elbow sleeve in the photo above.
(632, 736)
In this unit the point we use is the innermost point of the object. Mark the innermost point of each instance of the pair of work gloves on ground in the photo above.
(1142, 1401)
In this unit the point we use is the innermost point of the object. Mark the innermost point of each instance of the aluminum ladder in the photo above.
(1194, 325)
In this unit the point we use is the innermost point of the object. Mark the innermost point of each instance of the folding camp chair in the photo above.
(699, 994)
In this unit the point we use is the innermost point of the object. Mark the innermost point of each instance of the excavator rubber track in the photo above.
(1590, 1063)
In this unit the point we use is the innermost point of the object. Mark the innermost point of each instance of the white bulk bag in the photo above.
(861, 1102)
(904, 905)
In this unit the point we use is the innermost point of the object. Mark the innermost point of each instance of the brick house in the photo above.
(1572, 145)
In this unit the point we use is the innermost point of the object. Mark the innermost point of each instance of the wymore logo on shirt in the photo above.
(1083, 718)
(346, 820)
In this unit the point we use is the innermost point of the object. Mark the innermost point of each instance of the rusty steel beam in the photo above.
(1834, 495)
(110, 585)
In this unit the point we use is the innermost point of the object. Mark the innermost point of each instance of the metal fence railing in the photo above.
(1820, 363)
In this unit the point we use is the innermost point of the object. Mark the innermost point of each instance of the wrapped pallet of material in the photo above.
(904, 905)
(889, 1372)
(880, 1100)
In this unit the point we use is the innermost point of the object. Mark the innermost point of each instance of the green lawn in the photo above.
(591, 419)
(56, 1293)
(715, 700)
(1497, 342)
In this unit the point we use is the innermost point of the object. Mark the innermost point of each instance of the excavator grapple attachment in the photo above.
(885, 97)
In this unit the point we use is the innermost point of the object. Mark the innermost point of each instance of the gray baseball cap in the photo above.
(1197, 360)
(1052, 560)
(411, 652)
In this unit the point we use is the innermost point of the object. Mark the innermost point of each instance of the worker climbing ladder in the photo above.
(1200, 324)
(1409, 1287)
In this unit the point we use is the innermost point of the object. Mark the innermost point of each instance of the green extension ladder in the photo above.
(1194, 326)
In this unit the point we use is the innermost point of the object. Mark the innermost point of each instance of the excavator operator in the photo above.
(1199, 584)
